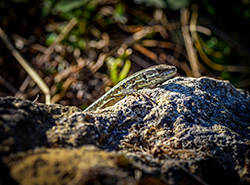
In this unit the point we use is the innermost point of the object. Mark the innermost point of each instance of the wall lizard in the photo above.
(144, 78)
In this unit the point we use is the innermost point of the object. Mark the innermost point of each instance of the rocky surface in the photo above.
(186, 131)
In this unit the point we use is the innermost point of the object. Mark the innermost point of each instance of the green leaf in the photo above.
(156, 3)
(114, 69)
(66, 6)
(51, 38)
(125, 70)
(119, 13)
(114, 64)
(171, 4)
(177, 4)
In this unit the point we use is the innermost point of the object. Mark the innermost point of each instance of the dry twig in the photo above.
(58, 39)
(25, 64)
(193, 59)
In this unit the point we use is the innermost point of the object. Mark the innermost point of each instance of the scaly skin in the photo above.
(144, 78)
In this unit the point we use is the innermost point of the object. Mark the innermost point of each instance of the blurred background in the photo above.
(72, 52)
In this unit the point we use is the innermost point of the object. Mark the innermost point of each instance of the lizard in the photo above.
(144, 78)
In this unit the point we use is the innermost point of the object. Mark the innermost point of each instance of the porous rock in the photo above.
(185, 131)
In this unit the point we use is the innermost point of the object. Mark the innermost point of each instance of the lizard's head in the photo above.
(159, 73)
(165, 70)
(150, 76)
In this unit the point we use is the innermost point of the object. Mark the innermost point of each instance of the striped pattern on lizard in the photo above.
(144, 78)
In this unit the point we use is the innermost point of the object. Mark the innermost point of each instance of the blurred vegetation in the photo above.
(81, 48)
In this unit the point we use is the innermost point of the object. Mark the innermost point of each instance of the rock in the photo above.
(185, 131)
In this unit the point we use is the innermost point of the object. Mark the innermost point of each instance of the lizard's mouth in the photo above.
(170, 71)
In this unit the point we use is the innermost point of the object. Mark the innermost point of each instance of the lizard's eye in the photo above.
(159, 70)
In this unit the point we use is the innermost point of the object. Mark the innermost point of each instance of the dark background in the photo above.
(102, 27)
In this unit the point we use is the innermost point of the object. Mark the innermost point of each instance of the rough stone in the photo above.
(185, 131)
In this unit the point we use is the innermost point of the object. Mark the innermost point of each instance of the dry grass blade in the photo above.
(172, 59)
(25, 64)
(146, 52)
(139, 61)
(20, 93)
(210, 63)
(58, 97)
(130, 41)
(58, 39)
(192, 175)
(188, 43)
(7, 85)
